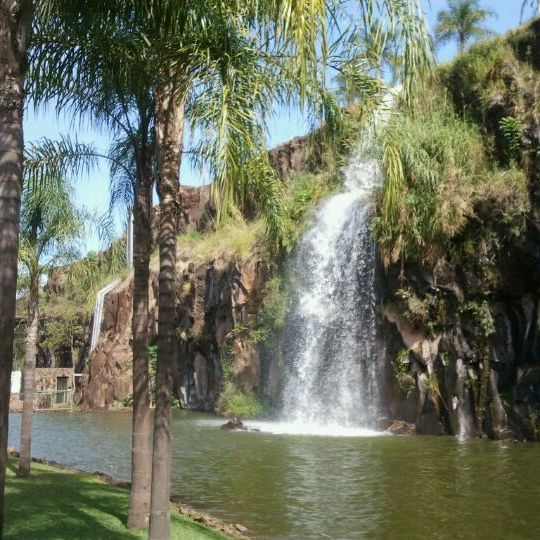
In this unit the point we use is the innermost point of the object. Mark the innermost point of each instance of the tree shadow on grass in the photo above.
(64, 505)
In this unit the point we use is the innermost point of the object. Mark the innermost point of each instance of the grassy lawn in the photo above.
(61, 504)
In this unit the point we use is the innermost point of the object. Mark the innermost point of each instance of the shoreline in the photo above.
(235, 530)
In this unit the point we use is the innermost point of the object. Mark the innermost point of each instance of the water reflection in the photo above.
(284, 486)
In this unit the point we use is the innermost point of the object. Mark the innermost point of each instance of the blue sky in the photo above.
(92, 191)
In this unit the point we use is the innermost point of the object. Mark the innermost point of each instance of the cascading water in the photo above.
(98, 312)
(331, 375)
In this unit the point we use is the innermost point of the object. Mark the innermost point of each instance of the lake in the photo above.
(283, 485)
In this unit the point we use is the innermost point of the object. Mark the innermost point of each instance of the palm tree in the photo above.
(50, 223)
(15, 18)
(462, 22)
(85, 73)
(535, 4)
(194, 58)
(212, 67)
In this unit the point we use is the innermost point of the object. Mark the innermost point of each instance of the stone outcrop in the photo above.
(214, 300)
(293, 155)
(478, 374)
(466, 362)
(217, 302)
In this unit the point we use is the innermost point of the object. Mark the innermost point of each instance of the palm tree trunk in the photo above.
(141, 449)
(14, 28)
(169, 138)
(461, 43)
(29, 375)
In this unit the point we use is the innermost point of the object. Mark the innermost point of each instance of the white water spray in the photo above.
(102, 293)
(331, 375)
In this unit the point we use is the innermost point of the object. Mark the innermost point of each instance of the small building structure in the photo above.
(54, 388)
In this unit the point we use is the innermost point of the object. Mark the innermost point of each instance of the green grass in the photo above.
(232, 238)
(439, 182)
(61, 504)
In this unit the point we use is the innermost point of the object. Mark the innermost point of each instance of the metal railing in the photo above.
(52, 399)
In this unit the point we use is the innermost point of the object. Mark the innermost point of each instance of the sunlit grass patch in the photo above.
(63, 504)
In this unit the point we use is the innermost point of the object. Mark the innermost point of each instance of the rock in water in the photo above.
(400, 427)
(235, 424)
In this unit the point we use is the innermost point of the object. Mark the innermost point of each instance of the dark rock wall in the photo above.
(469, 364)
(217, 304)
(462, 378)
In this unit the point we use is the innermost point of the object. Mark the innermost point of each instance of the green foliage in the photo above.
(431, 161)
(502, 202)
(304, 192)
(236, 402)
(437, 181)
(236, 236)
(233, 400)
(401, 366)
(474, 78)
(493, 84)
(86, 276)
(64, 333)
(481, 316)
(50, 223)
(231, 237)
(512, 130)
(152, 364)
(19, 346)
(429, 310)
(152, 373)
(272, 313)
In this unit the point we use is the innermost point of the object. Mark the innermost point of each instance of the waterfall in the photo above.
(331, 375)
(102, 293)
(98, 312)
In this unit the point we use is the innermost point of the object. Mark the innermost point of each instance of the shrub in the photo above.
(233, 237)
(474, 78)
(438, 182)
(304, 191)
(273, 311)
(432, 161)
(235, 402)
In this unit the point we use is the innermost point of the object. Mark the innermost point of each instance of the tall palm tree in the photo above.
(15, 18)
(50, 223)
(535, 4)
(462, 22)
(86, 73)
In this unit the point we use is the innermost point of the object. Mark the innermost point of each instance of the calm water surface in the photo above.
(285, 486)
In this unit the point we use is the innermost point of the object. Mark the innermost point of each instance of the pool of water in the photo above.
(282, 484)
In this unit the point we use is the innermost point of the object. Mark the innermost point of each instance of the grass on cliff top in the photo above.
(62, 504)
(232, 238)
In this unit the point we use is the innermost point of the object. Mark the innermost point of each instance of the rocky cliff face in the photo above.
(462, 340)
(460, 343)
(213, 299)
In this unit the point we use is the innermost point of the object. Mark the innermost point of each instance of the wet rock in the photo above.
(234, 424)
(400, 427)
